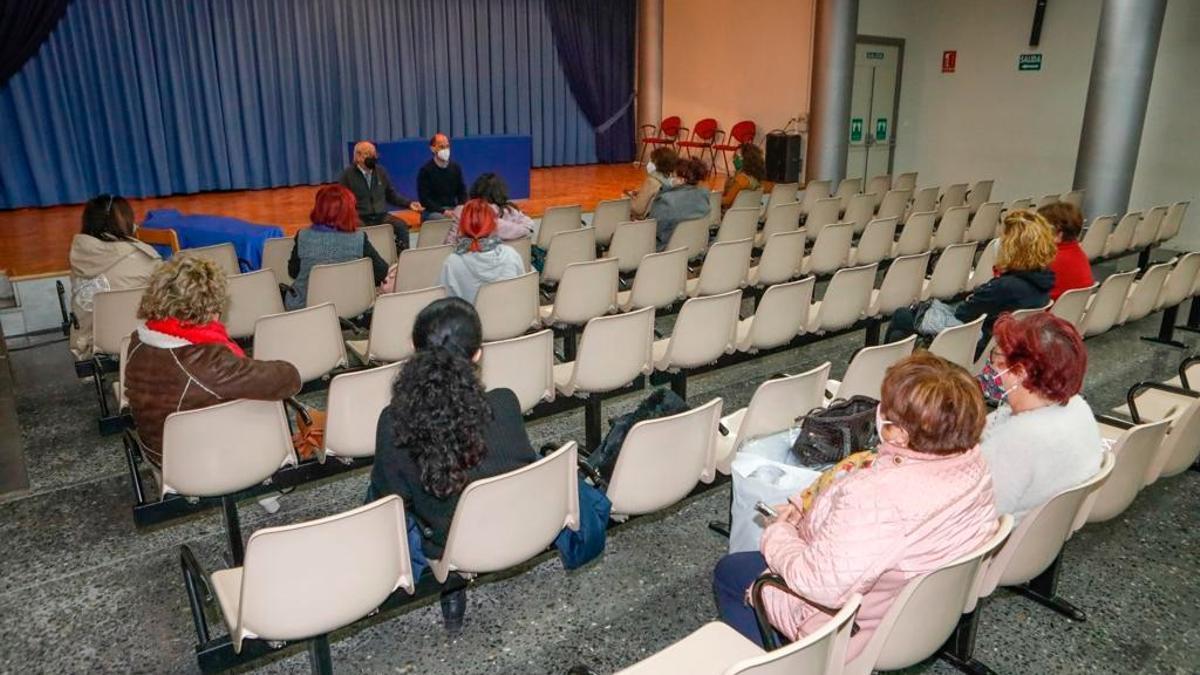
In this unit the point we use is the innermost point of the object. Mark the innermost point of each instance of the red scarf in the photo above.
(197, 334)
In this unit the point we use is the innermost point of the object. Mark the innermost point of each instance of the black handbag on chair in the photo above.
(830, 434)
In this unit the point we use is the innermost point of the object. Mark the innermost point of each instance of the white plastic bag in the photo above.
(761, 472)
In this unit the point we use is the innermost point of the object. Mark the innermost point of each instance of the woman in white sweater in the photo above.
(1043, 438)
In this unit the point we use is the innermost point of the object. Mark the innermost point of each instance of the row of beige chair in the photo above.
(1107, 237)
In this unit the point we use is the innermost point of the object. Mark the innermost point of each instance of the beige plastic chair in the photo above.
(1136, 451)
(774, 407)
(1180, 281)
(1020, 204)
(951, 272)
(524, 248)
(925, 200)
(251, 295)
(1096, 236)
(1181, 447)
(508, 519)
(824, 212)
(783, 193)
(691, 235)
(1071, 305)
(780, 218)
(902, 285)
(1144, 292)
(705, 329)
(662, 460)
(894, 204)
(558, 219)
(738, 223)
(952, 228)
(432, 232)
(390, 336)
(223, 256)
(383, 239)
(353, 408)
(879, 185)
(957, 343)
(661, 281)
(984, 222)
(876, 242)
(717, 649)
(725, 268)
(905, 181)
(864, 375)
(748, 199)
(631, 242)
(782, 314)
(587, 290)
(1173, 222)
(119, 385)
(349, 286)
(421, 267)
(714, 208)
(363, 554)
(830, 251)
(609, 214)
(860, 211)
(849, 298)
(781, 259)
(509, 307)
(613, 352)
(114, 317)
(980, 192)
(847, 189)
(926, 611)
(523, 364)
(1107, 304)
(916, 236)
(277, 251)
(567, 248)
(1122, 235)
(1075, 198)
(1146, 232)
(984, 271)
(316, 355)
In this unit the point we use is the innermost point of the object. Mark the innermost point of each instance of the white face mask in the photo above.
(650, 168)
(880, 423)
(444, 154)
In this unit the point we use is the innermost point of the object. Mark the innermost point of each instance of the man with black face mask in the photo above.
(373, 189)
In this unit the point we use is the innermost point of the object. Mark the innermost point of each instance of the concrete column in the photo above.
(650, 62)
(1118, 93)
(836, 31)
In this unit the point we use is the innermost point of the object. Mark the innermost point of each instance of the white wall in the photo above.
(989, 120)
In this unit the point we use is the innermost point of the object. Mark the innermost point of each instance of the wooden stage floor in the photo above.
(35, 242)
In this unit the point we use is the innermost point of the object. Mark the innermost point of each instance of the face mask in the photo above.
(444, 154)
(650, 168)
(880, 423)
(369, 162)
(992, 384)
(737, 162)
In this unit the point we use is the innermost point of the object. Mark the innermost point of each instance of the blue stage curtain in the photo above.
(595, 41)
(24, 26)
(156, 97)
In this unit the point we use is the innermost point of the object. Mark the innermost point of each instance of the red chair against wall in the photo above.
(743, 132)
(666, 133)
(706, 132)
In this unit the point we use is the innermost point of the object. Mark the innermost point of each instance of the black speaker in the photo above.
(785, 157)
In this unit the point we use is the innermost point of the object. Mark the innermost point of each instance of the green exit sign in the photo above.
(1029, 62)
(874, 55)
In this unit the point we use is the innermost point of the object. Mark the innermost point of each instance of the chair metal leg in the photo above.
(874, 327)
(1043, 589)
(570, 343)
(1166, 329)
(319, 656)
(1144, 258)
(592, 421)
(679, 384)
(233, 531)
(959, 650)
(1193, 320)
(135, 478)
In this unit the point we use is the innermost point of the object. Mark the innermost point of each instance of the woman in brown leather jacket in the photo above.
(182, 358)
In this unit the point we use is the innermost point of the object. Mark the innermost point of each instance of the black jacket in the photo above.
(373, 199)
(441, 189)
(1009, 291)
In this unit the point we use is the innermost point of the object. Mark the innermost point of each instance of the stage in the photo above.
(35, 242)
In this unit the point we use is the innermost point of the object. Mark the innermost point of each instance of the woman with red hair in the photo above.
(1043, 438)
(332, 238)
(479, 257)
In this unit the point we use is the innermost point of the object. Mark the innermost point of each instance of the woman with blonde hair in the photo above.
(1022, 280)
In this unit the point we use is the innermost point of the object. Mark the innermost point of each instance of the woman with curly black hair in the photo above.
(442, 430)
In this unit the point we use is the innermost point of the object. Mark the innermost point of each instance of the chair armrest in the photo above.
(1130, 398)
(300, 408)
(1187, 363)
(195, 578)
(591, 474)
(1113, 421)
(771, 637)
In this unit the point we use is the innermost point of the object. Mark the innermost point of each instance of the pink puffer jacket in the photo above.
(873, 531)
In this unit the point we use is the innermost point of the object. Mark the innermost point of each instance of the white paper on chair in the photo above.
(761, 478)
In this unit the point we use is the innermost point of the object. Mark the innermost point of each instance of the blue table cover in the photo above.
(509, 156)
(196, 230)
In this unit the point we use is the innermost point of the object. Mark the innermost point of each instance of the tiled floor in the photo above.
(82, 590)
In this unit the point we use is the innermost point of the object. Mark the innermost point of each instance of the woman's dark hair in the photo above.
(753, 163)
(691, 170)
(491, 188)
(665, 159)
(1065, 218)
(438, 403)
(108, 218)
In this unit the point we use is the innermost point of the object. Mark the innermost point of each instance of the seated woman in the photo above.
(479, 256)
(686, 201)
(442, 431)
(1071, 266)
(750, 174)
(510, 222)
(659, 171)
(333, 238)
(182, 358)
(1043, 438)
(924, 501)
(1023, 278)
(104, 256)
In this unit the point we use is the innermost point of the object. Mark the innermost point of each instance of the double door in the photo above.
(874, 101)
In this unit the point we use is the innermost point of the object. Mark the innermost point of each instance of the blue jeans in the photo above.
(416, 551)
(732, 577)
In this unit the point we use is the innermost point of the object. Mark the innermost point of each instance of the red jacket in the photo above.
(1071, 269)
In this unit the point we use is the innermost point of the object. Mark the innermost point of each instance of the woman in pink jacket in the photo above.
(925, 500)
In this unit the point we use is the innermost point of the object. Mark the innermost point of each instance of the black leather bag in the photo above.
(830, 434)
